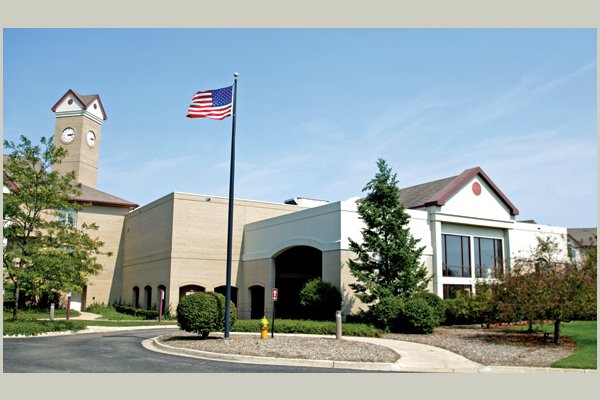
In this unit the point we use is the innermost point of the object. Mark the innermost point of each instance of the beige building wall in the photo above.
(147, 250)
(199, 249)
(105, 287)
(181, 239)
(255, 273)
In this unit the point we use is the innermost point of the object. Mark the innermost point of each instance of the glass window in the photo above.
(67, 217)
(456, 258)
(488, 257)
(451, 291)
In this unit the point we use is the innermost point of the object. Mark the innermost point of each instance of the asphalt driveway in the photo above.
(119, 351)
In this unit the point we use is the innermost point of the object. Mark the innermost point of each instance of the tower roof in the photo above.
(86, 101)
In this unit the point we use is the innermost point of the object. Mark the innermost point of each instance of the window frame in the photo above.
(498, 251)
(465, 269)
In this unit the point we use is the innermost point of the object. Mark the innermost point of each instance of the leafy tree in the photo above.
(388, 259)
(542, 287)
(44, 253)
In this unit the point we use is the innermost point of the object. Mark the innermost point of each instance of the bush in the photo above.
(416, 316)
(436, 303)
(468, 309)
(137, 312)
(382, 313)
(203, 313)
(360, 317)
(320, 300)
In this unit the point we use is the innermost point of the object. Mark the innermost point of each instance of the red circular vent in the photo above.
(476, 188)
(70, 101)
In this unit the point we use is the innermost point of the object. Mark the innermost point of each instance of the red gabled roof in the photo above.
(86, 100)
(10, 182)
(420, 195)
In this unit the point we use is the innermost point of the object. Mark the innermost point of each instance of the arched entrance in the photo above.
(190, 289)
(233, 292)
(293, 268)
(257, 301)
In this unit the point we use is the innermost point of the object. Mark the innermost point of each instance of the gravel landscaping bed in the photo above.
(485, 346)
(284, 346)
(495, 346)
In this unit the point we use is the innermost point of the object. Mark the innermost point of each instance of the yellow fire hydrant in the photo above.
(264, 328)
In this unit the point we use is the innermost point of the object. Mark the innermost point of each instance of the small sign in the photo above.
(274, 294)
(68, 294)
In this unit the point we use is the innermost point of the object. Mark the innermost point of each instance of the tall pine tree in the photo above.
(388, 259)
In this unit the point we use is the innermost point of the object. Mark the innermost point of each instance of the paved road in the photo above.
(120, 351)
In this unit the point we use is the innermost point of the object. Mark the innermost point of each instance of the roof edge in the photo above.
(106, 203)
(85, 105)
(440, 198)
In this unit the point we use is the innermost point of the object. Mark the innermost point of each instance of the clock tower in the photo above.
(78, 122)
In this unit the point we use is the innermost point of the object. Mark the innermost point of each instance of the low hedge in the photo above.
(137, 312)
(307, 327)
(30, 327)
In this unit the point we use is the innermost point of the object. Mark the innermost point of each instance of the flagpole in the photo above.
(230, 218)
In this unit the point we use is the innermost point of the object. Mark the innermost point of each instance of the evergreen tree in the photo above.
(388, 259)
(44, 254)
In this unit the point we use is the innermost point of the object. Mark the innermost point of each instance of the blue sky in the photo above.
(317, 107)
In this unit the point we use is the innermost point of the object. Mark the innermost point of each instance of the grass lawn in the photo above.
(584, 333)
(34, 322)
(39, 314)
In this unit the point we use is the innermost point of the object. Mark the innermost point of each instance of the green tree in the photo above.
(543, 287)
(388, 259)
(44, 254)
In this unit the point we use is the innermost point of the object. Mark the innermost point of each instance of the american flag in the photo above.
(215, 104)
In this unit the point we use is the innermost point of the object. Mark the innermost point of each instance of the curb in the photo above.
(153, 345)
(497, 369)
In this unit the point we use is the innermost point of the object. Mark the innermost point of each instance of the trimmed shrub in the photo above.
(467, 309)
(416, 316)
(383, 313)
(137, 312)
(320, 300)
(203, 313)
(436, 303)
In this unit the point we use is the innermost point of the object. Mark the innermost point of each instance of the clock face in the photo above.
(68, 135)
(90, 139)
